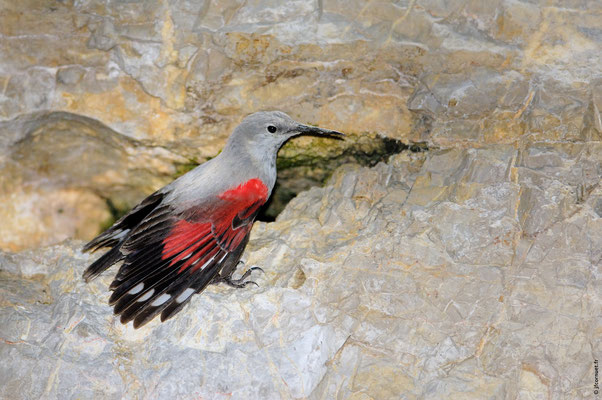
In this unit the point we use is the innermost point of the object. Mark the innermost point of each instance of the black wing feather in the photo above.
(201, 282)
(103, 263)
(111, 236)
(166, 280)
(117, 234)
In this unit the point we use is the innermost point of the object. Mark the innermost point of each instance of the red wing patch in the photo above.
(188, 240)
(198, 243)
(242, 202)
(184, 235)
(246, 193)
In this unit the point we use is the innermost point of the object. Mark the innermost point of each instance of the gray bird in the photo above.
(193, 231)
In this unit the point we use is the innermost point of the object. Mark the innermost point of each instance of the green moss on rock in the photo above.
(309, 161)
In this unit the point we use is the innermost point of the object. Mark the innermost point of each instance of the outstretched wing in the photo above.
(170, 256)
(117, 234)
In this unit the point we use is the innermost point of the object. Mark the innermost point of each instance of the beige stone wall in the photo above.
(469, 271)
(184, 73)
(178, 76)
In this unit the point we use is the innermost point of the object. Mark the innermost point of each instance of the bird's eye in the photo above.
(271, 128)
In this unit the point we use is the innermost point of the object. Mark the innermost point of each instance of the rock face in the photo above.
(464, 274)
(166, 70)
(468, 271)
(59, 171)
(179, 75)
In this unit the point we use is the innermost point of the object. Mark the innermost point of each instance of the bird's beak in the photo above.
(315, 131)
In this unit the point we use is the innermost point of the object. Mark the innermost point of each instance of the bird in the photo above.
(193, 231)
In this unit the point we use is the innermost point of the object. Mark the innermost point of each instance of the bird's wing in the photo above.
(172, 255)
(117, 234)
(121, 228)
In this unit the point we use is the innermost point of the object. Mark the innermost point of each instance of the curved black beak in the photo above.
(315, 131)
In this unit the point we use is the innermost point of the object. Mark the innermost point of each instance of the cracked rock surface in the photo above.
(178, 75)
(461, 273)
(470, 271)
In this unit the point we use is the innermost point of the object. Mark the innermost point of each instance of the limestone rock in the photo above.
(178, 76)
(461, 273)
(58, 171)
(470, 271)
(460, 70)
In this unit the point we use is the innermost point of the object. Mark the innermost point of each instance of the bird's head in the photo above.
(267, 131)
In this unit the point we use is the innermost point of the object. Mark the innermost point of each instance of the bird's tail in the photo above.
(103, 263)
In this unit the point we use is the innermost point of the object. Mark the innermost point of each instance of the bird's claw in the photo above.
(241, 262)
(240, 282)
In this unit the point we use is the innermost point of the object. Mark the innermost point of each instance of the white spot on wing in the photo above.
(137, 289)
(160, 300)
(184, 295)
(121, 234)
(208, 262)
(147, 295)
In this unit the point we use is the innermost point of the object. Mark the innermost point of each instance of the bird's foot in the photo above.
(241, 282)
